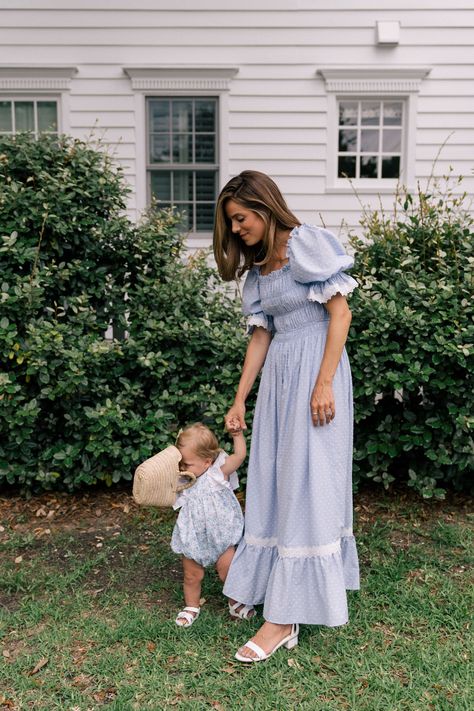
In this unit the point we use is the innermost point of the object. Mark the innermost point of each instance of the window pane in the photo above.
(5, 116)
(392, 141)
(392, 113)
(159, 116)
(205, 152)
(24, 116)
(185, 210)
(369, 140)
(182, 116)
(370, 113)
(391, 167)
(347, 140)
(205, 116)
(205, 185)
(205, 217)
(348, 113)
(183, 148)
(182, 186)
(160, 148)
(368, 167)
(47, 116)
(161, 185)
(346, 167)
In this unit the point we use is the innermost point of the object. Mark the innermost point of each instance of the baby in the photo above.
(210, 522)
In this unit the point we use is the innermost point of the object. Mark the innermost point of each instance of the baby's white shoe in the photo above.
(187, 616)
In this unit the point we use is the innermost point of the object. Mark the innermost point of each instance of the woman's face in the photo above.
(245, 223)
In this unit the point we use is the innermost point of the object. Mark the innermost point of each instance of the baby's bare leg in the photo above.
(193, 574)
(223, 563)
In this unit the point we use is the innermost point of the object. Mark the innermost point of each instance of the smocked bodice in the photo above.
(292, 297)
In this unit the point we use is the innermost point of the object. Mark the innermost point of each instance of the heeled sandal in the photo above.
(246, 612)
(290, 641)
(186, 615)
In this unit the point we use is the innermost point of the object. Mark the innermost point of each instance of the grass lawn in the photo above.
(89, 589)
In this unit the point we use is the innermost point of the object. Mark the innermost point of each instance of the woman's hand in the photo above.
(236, 416)
(323, 406)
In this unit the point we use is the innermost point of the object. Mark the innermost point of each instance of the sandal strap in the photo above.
(243, 613)
(185, 614)
(255, 648)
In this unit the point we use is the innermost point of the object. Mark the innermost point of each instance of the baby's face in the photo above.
(191, 462)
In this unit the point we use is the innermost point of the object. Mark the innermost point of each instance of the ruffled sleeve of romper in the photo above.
(317, 258)
(217, 477)
(251, 306)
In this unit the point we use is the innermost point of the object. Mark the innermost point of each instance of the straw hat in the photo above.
(158, 480)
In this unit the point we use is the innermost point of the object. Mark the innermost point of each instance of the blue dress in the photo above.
(210, 520)
(298, 555)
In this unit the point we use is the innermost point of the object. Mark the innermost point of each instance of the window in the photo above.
(369, 138)
(371, 126)
(182, 157)
(35, 115)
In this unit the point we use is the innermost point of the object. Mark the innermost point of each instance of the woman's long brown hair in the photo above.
(257, 192)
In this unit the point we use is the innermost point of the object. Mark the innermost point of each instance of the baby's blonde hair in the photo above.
(202, 440)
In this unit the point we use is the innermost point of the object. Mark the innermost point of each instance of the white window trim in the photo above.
(360, 82)
(179, 80)
(41, 82)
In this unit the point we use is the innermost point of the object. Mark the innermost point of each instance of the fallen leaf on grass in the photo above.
(7, 702)
(217, 705)
(42, 663)
(18, 559)
(105, 695)
(293, 663)
(41, 511)
(202, 601)
(151, 646)
(6, 653)
(229, 670)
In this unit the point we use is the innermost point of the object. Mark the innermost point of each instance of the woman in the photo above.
(298, 555)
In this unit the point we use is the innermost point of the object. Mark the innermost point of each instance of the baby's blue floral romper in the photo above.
(210, 520)
(298, 555)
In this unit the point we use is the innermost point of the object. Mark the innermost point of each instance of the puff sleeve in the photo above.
(251, 306)
(317, 258)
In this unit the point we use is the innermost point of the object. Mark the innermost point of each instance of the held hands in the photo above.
(323, 406)
(235, 419)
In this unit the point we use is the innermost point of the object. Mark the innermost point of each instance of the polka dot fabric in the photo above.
(298, 555)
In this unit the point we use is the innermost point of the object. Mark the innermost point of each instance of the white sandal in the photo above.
(186, 615)
(290, 641)
(243, 613)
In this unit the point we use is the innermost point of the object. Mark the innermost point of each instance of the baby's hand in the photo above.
(233, 426)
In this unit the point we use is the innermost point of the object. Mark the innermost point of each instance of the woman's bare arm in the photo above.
(322, 398)
(254, 359)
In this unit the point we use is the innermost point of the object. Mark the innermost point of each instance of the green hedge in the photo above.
(76, 409)
(411, 342)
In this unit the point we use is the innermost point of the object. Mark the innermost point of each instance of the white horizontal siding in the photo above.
(277, 119)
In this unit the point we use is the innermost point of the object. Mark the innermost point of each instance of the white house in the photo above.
(187, 93)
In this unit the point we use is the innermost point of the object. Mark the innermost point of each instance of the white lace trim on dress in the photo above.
(303, 551)
(340, 283)
(257, 320)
